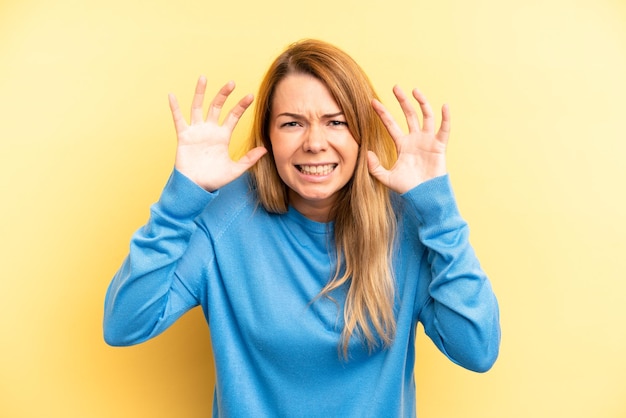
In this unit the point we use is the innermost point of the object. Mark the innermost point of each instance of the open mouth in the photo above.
(316, 170)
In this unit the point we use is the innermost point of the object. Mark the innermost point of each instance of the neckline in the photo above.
(309, 224)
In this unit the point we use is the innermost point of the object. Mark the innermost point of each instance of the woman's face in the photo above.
(315, 153)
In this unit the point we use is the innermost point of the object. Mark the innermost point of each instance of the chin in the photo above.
(313, 196)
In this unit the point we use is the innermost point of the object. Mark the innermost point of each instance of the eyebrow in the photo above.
(298, 116)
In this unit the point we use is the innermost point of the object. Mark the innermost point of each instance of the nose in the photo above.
(315, 140)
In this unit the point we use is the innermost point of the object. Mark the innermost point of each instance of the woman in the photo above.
(312, 261)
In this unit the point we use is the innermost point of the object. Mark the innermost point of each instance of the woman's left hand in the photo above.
(421, 152)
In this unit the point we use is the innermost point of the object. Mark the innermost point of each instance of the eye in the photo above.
(338, 123)
(289, 124)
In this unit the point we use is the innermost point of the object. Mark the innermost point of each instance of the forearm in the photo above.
(143, 293)
(463, 316)
(460, 311)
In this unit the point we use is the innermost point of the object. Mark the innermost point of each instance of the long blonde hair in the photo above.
(364, 221)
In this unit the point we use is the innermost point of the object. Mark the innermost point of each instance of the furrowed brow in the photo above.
(290, 115)
(298, 116)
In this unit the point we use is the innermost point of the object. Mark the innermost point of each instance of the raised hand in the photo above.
(202, 151)
(421, 152)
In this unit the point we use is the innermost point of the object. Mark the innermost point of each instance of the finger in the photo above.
(198, 100)
(251, 158)
(235, 114)
(376, 169)
(410, 114)
(179, 121)
(218, 101)
(427, 111)
(387, 120)
(444, 129)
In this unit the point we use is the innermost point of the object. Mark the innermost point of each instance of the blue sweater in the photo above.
(256, 276)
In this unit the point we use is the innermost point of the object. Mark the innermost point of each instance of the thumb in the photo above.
(379, 172)
(251, 157)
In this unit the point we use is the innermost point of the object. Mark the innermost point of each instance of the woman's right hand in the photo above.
(202, 152)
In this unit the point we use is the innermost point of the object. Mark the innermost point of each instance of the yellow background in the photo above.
(537, 90)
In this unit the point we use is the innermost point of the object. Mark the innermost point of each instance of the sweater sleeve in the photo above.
(146, 296)
(458, 308)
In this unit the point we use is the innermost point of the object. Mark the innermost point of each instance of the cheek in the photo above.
(278, 151)
(276, 148)
(353, 151)
(282, 159)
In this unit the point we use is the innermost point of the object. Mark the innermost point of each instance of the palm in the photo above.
(202, 153)
(421, 152)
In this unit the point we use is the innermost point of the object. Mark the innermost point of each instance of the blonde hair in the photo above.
(364, 221)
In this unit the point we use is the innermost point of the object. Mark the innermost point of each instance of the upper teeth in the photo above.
(317, 169)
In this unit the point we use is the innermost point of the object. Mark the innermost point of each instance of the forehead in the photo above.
(303, 93)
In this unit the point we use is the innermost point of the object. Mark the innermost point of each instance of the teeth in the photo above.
(319, 170)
